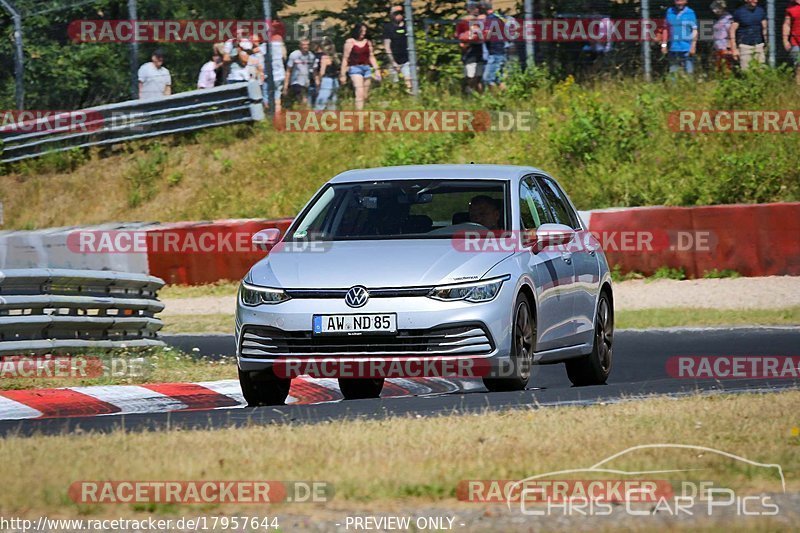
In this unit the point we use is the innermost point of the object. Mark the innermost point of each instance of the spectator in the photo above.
(748, 34)
(222, 72)
(154, 78)
(395, 42)
(278, 52)
(494, 37)
(328, 77)
(208, 72)
(238, 58)
(298, 73)
(255, 63)
(791, 35)
(358, 61)
(722, 50)
(680, 38)
(470, 33)
(313, 85)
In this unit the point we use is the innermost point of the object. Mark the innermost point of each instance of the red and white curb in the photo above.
(169, 397)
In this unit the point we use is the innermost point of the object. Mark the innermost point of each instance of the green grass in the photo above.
(406, 461)
(213, 323)
(219, 288)
(675, 317)
(608, 142)
(641, 319)
(158, 365)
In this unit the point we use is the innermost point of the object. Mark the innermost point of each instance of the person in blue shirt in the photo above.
(679, 39)
(748, 33)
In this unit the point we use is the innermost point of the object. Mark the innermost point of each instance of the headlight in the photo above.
(477, 291)
(253, 295)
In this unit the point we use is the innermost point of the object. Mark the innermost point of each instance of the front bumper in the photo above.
(427, 329)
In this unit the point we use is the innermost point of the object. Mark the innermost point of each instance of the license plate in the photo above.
(354, 324)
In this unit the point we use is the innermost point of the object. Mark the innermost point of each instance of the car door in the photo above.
(582, 253)
(553, 274)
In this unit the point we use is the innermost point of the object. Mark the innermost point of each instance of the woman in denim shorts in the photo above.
(358, 61)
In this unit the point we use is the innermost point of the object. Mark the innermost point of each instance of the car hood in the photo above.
(388, 263)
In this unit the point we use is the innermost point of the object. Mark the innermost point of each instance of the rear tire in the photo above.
(594, 368)
(360, 389)
(264, 387)
(523, 342)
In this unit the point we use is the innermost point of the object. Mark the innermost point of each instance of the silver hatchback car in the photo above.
(483, 263)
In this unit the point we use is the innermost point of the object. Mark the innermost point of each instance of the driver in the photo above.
(483, 210)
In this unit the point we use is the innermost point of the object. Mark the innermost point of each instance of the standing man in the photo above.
(679, 39)
(470, 34)
(298, 72)
(494, 36)
(154, 78)
(395, 42)
(748, 34)
(791, 35)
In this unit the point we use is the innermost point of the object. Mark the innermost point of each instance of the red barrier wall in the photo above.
(194, 253)
(754, 240)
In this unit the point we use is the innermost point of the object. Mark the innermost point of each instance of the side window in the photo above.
(532, 208)
(562, 211)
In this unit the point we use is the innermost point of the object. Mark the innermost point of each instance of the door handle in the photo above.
(567, 257)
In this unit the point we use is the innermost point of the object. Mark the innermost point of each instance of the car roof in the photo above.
(456, 172)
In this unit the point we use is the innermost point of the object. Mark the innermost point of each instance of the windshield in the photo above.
(407, 209)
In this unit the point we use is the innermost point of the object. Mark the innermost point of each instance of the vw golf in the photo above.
(396, 271)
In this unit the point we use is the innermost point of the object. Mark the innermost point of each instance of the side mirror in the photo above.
(266, 239)
(549, 235)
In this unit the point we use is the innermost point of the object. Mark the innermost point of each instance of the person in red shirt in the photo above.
(791, 35)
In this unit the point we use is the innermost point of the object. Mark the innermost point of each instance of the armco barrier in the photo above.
(231, 257)
(44, 309)
(754, 240)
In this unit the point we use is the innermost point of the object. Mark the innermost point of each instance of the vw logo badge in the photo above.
(356, 296)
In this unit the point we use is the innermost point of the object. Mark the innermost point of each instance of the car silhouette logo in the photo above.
(356, 296)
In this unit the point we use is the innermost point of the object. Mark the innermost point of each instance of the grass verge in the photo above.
(219, 288)
(418, 461)
(682, 316)
(156, 365)
(639, 319)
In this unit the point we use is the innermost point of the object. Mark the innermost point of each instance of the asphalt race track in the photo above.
(640, 369)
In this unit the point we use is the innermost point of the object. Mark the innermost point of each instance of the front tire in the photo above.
(523, 342)
(594, 368)
(264, 387)
(360, 389)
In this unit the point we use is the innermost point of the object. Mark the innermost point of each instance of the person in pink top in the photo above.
(358, 61)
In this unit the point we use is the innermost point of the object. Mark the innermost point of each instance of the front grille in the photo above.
(391, 292)
(470, 339)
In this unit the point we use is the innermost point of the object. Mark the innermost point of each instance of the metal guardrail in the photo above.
(44, 310)
(135, 119)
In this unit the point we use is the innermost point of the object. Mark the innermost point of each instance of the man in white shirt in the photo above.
(154, 79)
